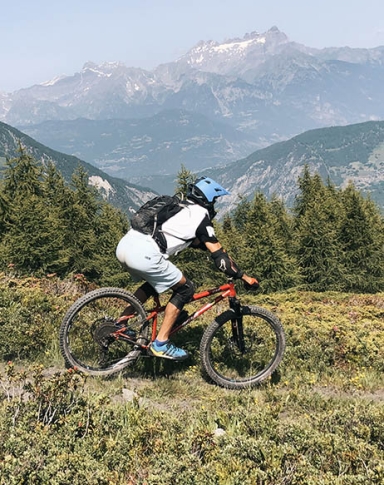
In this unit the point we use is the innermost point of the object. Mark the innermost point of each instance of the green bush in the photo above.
(327, 331)
(31, 311)
(53, 430)
(319, 420)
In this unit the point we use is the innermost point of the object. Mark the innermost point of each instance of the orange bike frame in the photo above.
(227, 290)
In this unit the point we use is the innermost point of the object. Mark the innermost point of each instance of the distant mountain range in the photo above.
(132, 149)
(120, 193)
(342, 154)
(217, 103)
(249, 111)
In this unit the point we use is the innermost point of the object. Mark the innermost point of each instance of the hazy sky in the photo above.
(42, 39)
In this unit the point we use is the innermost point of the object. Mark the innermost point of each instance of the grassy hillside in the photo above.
(319, 420)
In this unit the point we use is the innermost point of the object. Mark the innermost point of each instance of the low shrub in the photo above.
(31, 310)
(318, 421)
(54, 430)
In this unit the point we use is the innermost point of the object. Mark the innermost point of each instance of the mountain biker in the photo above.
(144, 260)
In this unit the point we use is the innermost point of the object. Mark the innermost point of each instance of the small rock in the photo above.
(219, 432)
(129, 395)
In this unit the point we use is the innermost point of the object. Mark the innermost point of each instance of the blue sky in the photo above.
(42, 39)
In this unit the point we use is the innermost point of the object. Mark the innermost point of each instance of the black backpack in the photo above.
(149, 218)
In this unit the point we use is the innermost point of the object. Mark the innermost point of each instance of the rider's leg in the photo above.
(162, 347)
(182, 294)
(142, 293)
(145, 291)
(170, 315)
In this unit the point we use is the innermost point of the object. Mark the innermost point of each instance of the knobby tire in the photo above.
(229, 367)
(85, 333)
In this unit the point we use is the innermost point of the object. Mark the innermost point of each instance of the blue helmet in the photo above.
(204, 192)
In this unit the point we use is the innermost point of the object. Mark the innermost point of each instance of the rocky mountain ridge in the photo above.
(342, 155)
(263, 85)
(158, 145)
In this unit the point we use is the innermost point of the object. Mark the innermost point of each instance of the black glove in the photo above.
(252, 286)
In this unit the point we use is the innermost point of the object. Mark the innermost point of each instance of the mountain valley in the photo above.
(249, 111)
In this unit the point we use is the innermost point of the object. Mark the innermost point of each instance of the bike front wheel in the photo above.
(246, 362)
(90, 339)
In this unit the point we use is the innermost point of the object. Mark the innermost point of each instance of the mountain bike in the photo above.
(239, 349)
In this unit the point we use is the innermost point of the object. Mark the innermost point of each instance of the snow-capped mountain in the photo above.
(263, 85)
(234, 56)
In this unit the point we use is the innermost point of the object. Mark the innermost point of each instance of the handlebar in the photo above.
(253, 286)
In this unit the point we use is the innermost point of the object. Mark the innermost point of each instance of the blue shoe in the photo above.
(167, 350)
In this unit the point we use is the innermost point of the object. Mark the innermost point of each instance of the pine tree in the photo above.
(227, 224)
(58, 197)
(23, 175)
(241, 212)
(317, 225)
(309, 189)
(93, 230)
(3, 204)
(259, 248)
(79, 216)
(30, 241)
(55, 189)
(110, 226)
(362, 235)
(284, 224)
(184, 178)
(4, 208)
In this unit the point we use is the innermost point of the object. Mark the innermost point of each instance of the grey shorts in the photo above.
(142, 257)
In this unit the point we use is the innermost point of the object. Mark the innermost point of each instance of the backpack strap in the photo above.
(158, 234)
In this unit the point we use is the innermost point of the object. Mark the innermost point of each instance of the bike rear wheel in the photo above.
(90, 339)
(238, 366)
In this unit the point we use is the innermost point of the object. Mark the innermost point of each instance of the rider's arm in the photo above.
(226, 264)
(223, 261)
(206, 234)
(197, 244)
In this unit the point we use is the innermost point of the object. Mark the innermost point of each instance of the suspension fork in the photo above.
(237, 324)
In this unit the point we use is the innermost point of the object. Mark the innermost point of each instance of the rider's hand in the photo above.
(251, 284)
